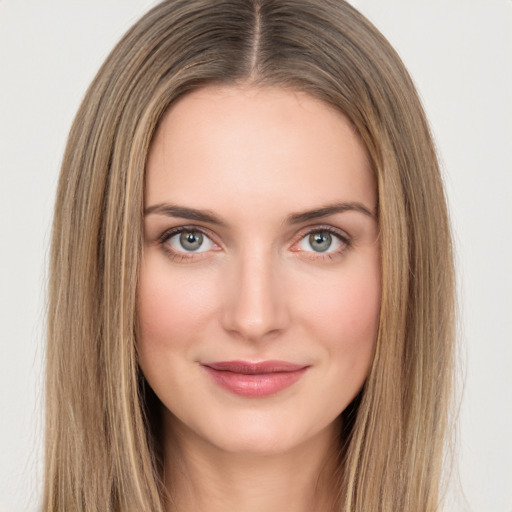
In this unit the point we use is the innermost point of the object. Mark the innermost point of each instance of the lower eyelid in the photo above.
(206, 239)
(184, 256)
(343, 239)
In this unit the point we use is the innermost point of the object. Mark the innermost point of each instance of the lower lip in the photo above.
(259, 385)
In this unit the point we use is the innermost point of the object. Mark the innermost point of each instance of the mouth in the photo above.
(254, 379)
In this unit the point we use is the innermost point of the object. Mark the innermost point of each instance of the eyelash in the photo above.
(181, 256)
(345, 240)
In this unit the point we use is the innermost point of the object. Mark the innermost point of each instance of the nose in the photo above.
(256, 306)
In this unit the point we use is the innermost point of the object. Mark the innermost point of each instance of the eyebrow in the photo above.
(330, 209)
(184, 212)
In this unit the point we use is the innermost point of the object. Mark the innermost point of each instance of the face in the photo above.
(259, 289)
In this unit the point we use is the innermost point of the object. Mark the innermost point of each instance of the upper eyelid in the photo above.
(169, 233)
(317, 228)
(162, 240)
(304, 230)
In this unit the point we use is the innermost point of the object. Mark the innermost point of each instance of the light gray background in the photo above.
(458, 52)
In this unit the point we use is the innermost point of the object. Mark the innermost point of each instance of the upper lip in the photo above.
(250, 368)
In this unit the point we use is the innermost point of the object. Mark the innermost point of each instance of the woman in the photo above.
(251, 288)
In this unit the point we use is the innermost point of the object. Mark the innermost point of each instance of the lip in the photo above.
(255, 380)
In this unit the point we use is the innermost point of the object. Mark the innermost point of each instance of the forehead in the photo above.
(250, 147)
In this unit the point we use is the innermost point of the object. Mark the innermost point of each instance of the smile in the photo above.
(254, 379)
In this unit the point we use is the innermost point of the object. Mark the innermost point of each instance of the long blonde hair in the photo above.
(102, 440)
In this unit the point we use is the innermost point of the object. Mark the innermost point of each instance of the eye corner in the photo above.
(171, 242)
(339, 243)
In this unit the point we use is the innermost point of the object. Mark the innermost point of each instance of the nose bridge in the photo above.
(256, 304)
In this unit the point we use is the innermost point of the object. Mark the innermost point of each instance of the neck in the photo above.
(200, 476)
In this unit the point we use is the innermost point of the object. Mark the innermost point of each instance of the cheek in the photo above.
(345, 315)
(359, 305)
(171, 305)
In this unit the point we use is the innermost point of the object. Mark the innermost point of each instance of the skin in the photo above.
(257, 289)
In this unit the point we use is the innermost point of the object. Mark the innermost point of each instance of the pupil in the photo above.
(320, 242)
(191, 240)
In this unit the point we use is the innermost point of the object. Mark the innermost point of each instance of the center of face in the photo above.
(259, 288)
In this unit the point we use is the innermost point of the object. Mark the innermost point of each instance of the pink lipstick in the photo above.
(254, 379)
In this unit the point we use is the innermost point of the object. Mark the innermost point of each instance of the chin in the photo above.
(254, 433)
(255, 442)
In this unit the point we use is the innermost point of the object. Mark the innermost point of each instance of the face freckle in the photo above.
(237, 182)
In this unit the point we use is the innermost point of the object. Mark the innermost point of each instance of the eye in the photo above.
(324, 241)
(189, 240)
